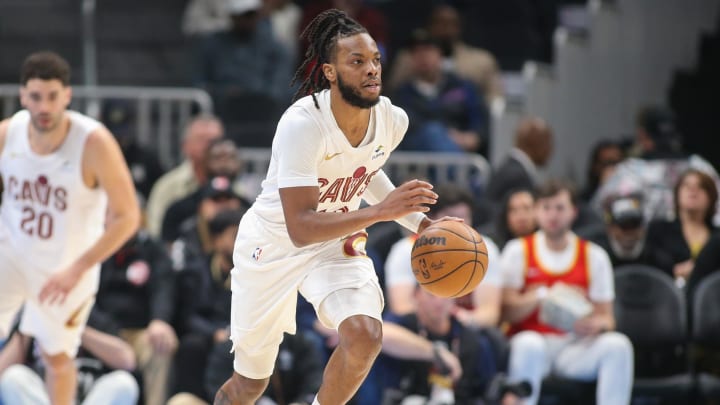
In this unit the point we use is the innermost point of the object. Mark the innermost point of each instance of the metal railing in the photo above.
(160, 114)
(469, 170)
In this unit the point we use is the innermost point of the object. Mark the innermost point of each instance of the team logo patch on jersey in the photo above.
(354, 245)
(378, 152)
(256, 254)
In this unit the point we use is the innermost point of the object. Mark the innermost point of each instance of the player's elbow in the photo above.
(298, 237)
(133, 219)
(300, 230)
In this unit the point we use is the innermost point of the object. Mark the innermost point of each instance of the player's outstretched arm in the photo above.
(107, 164)
(104, 162)
(306, 226)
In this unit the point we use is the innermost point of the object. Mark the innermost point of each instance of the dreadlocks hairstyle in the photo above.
(322, 34)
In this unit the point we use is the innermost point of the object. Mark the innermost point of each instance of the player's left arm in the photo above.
(601, 293)
(105, 161)
(104, 165)
(379, 187)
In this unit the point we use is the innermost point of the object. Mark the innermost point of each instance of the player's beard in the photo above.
(353, 97)
(556, 233)
(55, 121)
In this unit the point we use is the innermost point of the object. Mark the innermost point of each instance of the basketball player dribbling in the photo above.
(68, 203)
(305, 231)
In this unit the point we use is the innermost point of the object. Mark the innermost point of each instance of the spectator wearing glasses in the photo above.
(625, 233)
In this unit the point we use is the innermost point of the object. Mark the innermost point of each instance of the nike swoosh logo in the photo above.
(76, 318)
(331, 155)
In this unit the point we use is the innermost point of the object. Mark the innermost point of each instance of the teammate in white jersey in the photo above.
(305, 231)
(68, 203)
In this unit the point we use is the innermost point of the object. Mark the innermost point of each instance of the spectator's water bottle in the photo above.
(442, 391)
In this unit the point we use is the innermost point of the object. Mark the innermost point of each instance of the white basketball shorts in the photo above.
(336, 277)
(56, 328)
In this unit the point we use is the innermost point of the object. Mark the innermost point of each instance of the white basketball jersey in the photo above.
(48, 214)
(309, 149)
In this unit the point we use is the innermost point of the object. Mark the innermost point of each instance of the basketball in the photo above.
(449, 259)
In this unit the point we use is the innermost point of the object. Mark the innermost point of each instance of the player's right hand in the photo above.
(428, 222)
(450, 361)
(409, 197)
(58, 285)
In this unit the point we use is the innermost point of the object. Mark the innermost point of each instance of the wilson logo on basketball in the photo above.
(449, 259)
(423, 270)
(423, 241)
(426, 268)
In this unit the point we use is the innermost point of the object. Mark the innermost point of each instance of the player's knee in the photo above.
(615, 343)
(15, 381)
(528, 343)
(361, 336)
(124, 385)
(239, 386)
(14, 376)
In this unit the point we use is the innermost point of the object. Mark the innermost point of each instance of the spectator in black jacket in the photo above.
(411, 374)
(695, 198)
(222, 160)
(625, 233)
(204, 301)
(137, 292)
(194, 241)
(533, 149)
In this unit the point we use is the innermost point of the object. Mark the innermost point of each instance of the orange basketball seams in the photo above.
(449, 259)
